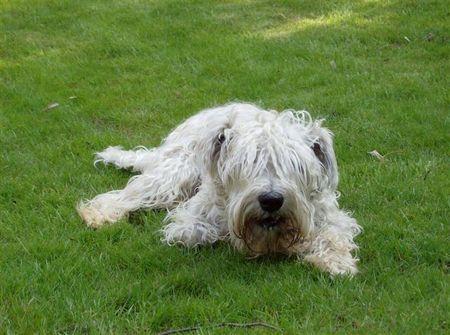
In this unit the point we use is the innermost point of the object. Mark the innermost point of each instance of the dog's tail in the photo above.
(136, 159)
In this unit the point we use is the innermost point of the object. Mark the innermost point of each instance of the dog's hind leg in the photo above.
(168, 179)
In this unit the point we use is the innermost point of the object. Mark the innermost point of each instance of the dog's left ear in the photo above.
(216, 144)
(323, 150)
(212, 146)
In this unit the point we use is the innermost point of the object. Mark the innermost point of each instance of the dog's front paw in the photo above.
(335, 264)
(189, 235)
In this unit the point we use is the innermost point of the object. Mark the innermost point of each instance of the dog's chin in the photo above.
(269, 235)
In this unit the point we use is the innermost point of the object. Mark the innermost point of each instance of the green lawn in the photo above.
(127, 71)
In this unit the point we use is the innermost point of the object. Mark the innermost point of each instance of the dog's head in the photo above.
(268, 168)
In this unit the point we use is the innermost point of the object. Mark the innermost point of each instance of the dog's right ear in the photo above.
(320, 142)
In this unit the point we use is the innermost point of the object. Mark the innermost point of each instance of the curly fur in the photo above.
(210, 171)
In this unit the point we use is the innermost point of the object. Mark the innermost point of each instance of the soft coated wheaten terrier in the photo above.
(263, 180)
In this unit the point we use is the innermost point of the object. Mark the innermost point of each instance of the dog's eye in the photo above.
(221, 138)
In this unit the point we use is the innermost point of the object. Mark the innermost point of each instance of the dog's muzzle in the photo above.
(270, 223)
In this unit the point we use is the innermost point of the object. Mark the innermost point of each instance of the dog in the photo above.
(263, 180)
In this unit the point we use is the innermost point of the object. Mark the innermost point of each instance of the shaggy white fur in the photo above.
(265, 181)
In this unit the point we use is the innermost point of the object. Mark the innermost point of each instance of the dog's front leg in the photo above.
(331, 246)
(198, 221)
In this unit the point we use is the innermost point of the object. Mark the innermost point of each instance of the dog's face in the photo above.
(269, 168)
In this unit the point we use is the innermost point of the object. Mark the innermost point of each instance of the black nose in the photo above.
(271, 201)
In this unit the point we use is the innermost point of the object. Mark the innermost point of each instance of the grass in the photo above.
(377, 70)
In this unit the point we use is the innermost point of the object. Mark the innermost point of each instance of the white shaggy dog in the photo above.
(263, 180)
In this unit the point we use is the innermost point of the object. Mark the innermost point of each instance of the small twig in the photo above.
(221, 325)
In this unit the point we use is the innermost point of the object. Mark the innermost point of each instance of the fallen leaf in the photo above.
(51, 106)
(333, 65)
(376, 154)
